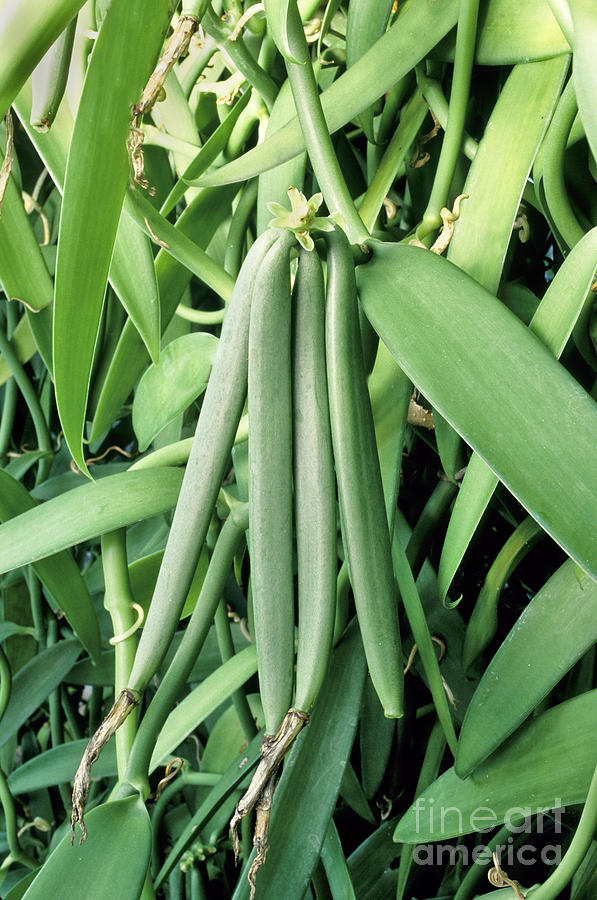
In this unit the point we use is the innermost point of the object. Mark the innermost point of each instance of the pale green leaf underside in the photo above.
(496, 383)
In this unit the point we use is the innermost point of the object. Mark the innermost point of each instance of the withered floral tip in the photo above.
(302, 217)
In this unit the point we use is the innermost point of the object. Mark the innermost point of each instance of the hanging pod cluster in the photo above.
(310, 426)
(310, 423)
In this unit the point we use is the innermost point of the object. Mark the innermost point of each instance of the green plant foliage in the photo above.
(118, 855)
(321, 623)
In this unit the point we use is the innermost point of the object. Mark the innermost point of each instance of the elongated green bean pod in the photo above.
(48, 80)
(270, 482)
(214, 436)
(314, 484)
(363, 519)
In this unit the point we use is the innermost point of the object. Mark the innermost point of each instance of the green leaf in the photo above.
(208, 154)
(274, 184)
(24, 346)
(238, 773)
(584, 18)
(199, 221)
(114, 857)
(23, 272)
(495, 382)
(28, 30)
(58, 766)
(132, 269)
(226, 738)
(59, 574)
(167, 389)
(96, 177)
(133, 277)
(32, 684)
(367, 21)
(86, 512)
(276, 12)
(481, 238)
(510, 32)
(416, 31)
(334, 863)
(557, 627)
(548, 763)
(179, 245)
(202, 701)
(483, 622)
(308, 789)
(8, 629)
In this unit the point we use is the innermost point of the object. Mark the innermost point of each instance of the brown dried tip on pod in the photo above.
(123, 706)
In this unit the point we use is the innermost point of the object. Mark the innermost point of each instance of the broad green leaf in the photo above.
(306, 794)
(59, 574)
(277, 20)
(416, 31)
(510, 32)
(113, 859)
(179, 245)
(376, 738)
(226, 738)
(207, 155)
(202, 701)
(481, 238)
(554, 631)
(548, 763)
(58, 766)
(566, 301)
(273, 185)
(334, 863)
(199, 221)
(132, 269)
(510, 141)
(95, 184)
(367, 21)
(8, 629)
(496, 384)
(390, 391)
(85, 512)
(584, 18)
(133, 277)
(167, 389)
(23, 343)
(483, 622)
(372, 865)
(32, 684)
(18, 891)
(27, 31)
(23, 272)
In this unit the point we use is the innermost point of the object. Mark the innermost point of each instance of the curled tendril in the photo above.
(498, 878)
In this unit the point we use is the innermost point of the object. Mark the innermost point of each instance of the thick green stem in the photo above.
(118, 601)
(242, 59)
(452, 143)
(6, 798)
(315, 131)
(237, 232)
(196, 631)
(585, 831)
(32, 400)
